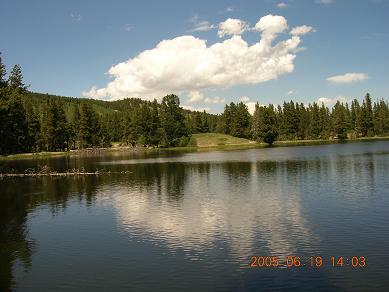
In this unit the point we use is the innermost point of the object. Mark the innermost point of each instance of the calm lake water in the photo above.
(174, 221)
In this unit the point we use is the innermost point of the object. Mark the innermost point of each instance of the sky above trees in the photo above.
(208, 52)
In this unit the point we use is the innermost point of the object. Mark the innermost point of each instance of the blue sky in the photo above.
(67, 47)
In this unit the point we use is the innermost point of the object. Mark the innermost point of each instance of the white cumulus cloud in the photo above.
(250, 104)
(328, 101)
(348, 78)
(186, 63)
(232, 27)
(198, 109)
(271, 24)
(196, 96)
(244, 99)
(301, 30)
(251, 107)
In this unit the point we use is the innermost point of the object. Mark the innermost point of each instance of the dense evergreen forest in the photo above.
(33, 122)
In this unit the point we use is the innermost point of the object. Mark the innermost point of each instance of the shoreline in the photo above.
(127, 149)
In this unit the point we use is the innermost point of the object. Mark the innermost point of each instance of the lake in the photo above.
(237, 220)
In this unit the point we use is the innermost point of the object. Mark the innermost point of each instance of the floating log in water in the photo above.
(48, 174)
(40, 174)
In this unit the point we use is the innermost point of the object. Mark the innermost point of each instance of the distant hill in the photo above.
(100, 106)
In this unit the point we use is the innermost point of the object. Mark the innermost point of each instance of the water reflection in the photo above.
(19, 199)
(13, 233)
(232, 202)
(214, 209)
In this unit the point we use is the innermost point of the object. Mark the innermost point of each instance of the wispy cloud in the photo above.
(75, 16)
(348, 78)
(282, 5)
(128, 27)
(325, 2)
(200, 25)
(228, 9)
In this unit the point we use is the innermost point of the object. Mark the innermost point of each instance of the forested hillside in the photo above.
(32, 122)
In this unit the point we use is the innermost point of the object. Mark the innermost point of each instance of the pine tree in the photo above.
(125, 121)
(15, 79)
(89, 133)
(315, 127)
(233, 124)
(243, 118)
(204, 122)
(13, 128)
(3, 72)
(212, 122)
(104, 135)
(56, 133)
(339, 121)
(381, 118)
(367, 127)
(155, 125)
(303, 121)
(356, 118)
(4, 121)
(18, 132)
(74, 126)
(144, 126)
(33, 128)
(172, 120)
(133, 126)
(115, 126)
(239, 120)
(225, 120)
(255, 127)
(5, 128)
(267, 131)
(280, 122)
(197, 127)
(291, 120)
(325, 122)
(348, 118)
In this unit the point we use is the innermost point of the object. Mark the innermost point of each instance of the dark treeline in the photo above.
(293, 121)
(296, 121)
(33, 122)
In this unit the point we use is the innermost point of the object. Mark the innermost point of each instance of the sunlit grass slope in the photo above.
(215, 140)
